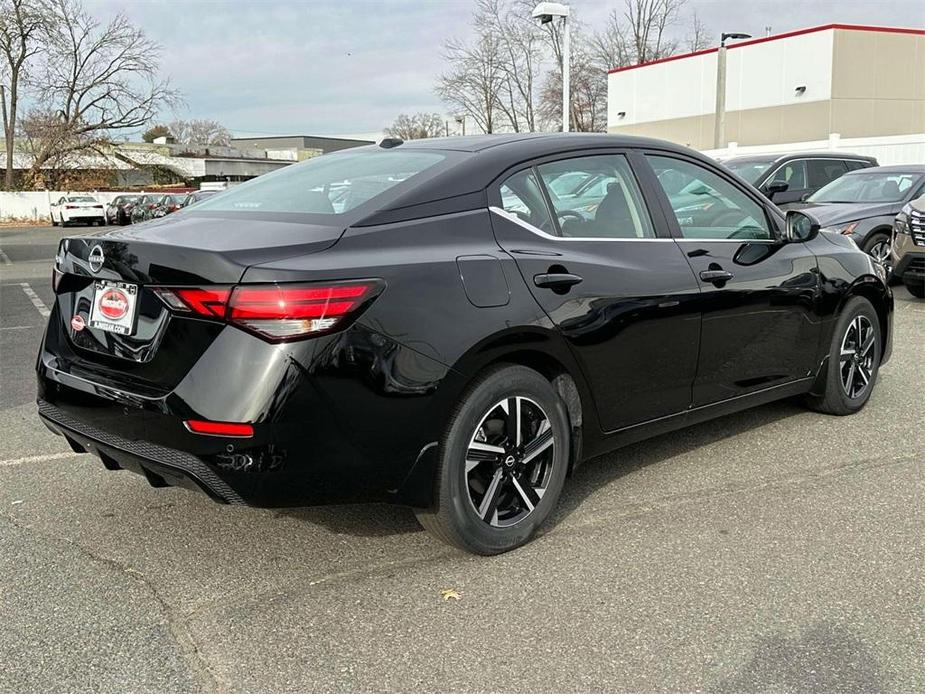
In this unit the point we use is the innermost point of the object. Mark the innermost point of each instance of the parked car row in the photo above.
(132, 209)
(852, 196)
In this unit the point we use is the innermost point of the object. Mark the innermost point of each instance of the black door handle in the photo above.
(557, 281)
(717, 277)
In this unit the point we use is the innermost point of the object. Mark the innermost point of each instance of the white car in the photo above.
(77, 208)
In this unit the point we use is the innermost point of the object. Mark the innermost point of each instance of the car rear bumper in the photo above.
(163, 467)
(330, 418)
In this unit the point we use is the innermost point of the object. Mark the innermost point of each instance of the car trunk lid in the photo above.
(179, 251)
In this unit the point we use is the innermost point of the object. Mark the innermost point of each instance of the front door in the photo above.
(760, 327)
(610, 277)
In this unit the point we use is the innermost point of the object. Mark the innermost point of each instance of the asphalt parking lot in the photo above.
(775, 550)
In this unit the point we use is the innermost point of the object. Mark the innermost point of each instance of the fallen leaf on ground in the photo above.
(450, 594)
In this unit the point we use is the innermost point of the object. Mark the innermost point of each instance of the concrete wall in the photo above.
(859, 82)
(889, 150)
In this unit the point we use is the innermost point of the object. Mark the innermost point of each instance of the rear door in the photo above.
(760, 327)
(605, 270)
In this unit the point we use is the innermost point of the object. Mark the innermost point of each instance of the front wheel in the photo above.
(503, 463)
(916, 287)
(853, 362)
(878, 247)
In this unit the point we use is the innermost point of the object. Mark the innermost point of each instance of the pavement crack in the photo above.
(196, 660)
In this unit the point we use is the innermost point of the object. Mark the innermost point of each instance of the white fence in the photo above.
(889, 149)
(35, 205)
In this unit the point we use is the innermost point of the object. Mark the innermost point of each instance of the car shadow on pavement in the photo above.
(380, 520)
(825, 658)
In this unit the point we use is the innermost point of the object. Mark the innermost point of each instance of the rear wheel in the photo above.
(854, 359)
(53, 222)
(502, 464)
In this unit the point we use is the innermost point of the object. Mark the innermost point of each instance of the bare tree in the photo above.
(200, 132)
(520, 44)
(473, 83)
(97, 79)
(22, 24)
(416, 126)
(648, 22)
(697, 37)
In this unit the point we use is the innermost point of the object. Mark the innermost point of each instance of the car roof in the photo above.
(474, 162)
(897, 168)
(799, 155)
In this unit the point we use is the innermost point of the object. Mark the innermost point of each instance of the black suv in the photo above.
(790, 178)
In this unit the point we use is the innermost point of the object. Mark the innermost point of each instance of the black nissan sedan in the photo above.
(450, 324)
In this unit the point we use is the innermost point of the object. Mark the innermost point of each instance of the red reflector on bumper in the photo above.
(199, 426)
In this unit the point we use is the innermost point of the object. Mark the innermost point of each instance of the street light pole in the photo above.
(719, 125)
(547, 12)
(566, 70)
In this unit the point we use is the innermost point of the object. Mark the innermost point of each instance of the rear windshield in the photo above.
(330, 185)
(81, 198)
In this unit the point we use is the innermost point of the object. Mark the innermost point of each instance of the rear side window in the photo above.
(331, 184)
(706, 205)
(855, 164)
(596, 197)
(824, 171)
(521, 196)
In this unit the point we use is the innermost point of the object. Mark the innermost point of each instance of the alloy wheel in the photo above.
(509, 461)
(857, 356)
(880, 252)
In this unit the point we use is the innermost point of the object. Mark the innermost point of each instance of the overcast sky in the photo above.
(350, 66)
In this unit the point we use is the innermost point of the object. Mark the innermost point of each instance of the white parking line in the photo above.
(4, 258)
(15, 327)
(36, 301)
(36, 459)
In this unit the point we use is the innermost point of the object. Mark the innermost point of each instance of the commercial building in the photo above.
(853, 81)
(297, 144)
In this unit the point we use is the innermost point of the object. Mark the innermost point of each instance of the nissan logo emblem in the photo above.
(96, 258)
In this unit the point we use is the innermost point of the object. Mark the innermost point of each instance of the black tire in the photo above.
(454, 517)
(835, 398)
(53, 222)
(916, 288)
(873, 241)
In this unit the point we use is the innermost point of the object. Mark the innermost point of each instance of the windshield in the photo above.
(749, 169)
(330, 184)
(877, 186)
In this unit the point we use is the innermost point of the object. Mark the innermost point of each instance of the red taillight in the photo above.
(71, 207)
(277, 312)
(201, 426)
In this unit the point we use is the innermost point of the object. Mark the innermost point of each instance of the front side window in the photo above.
(706, 205)
(866, 187)
(793, 173)
(596, 197)
(331, 184)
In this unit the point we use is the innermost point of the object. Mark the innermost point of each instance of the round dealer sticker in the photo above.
(77, 323)
(113, 304)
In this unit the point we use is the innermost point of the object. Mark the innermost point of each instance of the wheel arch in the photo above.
(539, 348)
(872, 289)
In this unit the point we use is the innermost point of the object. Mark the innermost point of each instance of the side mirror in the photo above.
(801, 227)
(775, 187)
